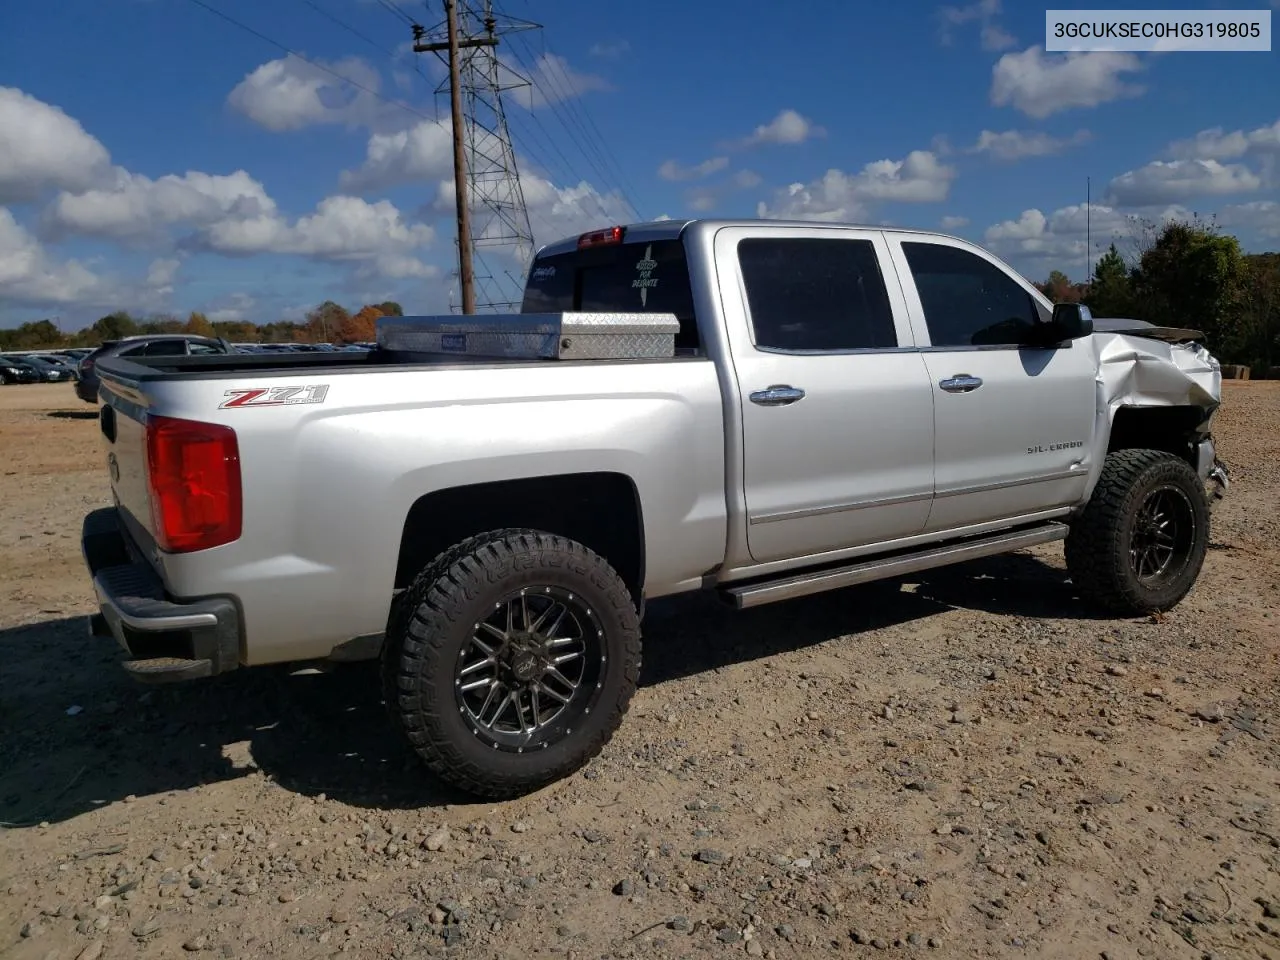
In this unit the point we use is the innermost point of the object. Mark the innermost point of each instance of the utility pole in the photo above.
(484, 166)
(466, 270)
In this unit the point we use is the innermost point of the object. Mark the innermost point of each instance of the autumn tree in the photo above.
(237, 331)
(198, 325)
(1060, 289)
(324, 322)
(360, 327)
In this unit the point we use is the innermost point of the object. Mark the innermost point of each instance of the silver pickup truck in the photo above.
(759, 408)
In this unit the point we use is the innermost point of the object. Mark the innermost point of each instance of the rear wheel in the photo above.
(1140, 543)
(512, 661)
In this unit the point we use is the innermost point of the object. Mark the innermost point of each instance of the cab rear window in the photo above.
(626, 278)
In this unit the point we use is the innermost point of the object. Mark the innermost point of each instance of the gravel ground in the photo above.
(967, 763)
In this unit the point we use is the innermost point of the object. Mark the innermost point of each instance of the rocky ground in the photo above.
(968, 763)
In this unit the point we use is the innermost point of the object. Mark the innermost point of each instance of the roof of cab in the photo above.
(652, 230)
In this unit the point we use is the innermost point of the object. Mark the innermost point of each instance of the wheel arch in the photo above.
(600, 510)
(1171, 429)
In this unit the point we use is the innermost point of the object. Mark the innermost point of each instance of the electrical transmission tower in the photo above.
(494, 238)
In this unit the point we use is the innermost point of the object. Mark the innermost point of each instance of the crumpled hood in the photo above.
(1136, 370)
(1139, 371)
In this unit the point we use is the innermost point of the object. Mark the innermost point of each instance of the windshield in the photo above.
(626, 278)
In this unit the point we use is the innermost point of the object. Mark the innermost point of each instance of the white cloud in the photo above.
(835, 196)
(342, 228)
(136, 207)
(422, 152)
(701, 200)
(238, 307)
(1017, 145)
(28, 274)
(161, 275)
(290, 93)
(41, 147)
(609, 51)
(553, 81)
(1216, 144)
(788, 127)
(1177, 181)
(984, 12)
(397, 266)
(555, 212)
(746, 179)
(1039, 84)
(671, 170)
(953, 223)
(1260, 216)
(1060, 240)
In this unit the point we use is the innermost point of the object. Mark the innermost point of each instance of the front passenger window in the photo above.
(968, 301)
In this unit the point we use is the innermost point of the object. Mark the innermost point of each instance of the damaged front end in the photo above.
(1143, 367)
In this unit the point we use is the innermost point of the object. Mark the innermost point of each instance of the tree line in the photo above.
(1185, 273)
(329, 322)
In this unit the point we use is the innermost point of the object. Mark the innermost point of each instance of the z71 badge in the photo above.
(274, 396)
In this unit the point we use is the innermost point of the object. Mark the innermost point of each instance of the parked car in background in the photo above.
(50, 371)
(16, 370)
(144, 345)
(63, 364)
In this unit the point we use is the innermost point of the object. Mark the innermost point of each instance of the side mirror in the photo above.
(1071, 321)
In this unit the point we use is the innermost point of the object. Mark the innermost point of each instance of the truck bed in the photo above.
(259, 365)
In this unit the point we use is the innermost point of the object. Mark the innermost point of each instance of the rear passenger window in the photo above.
(166, 348)
(969, 301)
(812, 294)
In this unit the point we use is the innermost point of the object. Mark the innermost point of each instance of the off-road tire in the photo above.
(435, 621)
(406, 603)
(1098, 546)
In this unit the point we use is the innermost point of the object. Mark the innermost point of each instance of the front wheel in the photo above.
(1140, 542)
(513, 661)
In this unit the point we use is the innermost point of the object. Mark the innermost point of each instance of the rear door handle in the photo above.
(778, 395)
(961, 384)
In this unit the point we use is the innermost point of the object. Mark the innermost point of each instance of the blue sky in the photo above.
(157, 158)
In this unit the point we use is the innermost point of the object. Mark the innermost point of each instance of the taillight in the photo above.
(599, 238)
(194, 473)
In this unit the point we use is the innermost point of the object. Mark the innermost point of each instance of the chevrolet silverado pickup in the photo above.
(762, 409)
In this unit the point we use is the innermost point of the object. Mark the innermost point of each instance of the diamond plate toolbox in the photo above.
(535, 336)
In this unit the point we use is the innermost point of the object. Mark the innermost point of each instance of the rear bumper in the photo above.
(87, 390)
(165, 640)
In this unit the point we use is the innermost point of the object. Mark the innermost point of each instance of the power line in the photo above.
(577, 105)
(395, 9)
(361, 35)
(346, 26)
(319, 66)
(561, 103)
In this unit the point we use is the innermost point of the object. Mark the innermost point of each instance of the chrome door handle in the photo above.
(961, 384)
(778, 395)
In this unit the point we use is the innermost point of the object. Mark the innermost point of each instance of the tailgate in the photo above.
(122, 420)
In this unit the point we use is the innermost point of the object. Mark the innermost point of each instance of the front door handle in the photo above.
(961, 384)
(778, 395)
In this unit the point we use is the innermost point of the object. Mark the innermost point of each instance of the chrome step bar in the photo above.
(804, 584)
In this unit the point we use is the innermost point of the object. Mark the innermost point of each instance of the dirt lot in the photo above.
(966, 764)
